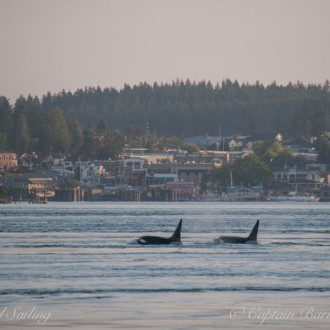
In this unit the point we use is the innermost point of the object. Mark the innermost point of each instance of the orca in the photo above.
(252, 238)
(156, 240)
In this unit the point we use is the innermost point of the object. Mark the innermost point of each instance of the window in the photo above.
(292, 178)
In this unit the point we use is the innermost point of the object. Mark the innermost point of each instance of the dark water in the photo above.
(63, 252)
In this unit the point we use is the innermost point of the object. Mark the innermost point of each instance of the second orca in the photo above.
(156, 240)
(252, 238)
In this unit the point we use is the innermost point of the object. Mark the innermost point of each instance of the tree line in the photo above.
(30, 129)
(190, 108)
(92, 121)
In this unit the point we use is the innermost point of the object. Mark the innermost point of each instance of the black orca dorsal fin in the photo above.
(254, 232)
(177, 233)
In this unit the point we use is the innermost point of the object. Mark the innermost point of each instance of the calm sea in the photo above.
(79, 262)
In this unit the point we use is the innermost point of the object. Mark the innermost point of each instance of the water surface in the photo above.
(84, 254)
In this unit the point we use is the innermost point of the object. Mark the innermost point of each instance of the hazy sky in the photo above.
(50, 45)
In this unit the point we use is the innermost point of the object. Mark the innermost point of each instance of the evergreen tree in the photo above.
(3, 143)
(76, 135)
(90, 144)
(113, 145)
(59, 132)
(44, 135)
(102, 128)
(5, 116)
(21, 137)
(323, 150)
(319, 122)
(6, 122)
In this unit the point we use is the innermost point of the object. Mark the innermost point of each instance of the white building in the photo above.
(90, 175)
(135, 164)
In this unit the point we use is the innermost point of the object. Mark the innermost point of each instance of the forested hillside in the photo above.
(185, 108)
(178, 109)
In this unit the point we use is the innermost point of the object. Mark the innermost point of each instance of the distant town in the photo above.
(254, 168)
(179, 141)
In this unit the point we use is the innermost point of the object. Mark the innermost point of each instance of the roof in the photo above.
(298, 142)
(260, 136)
(204, 141)
(251, 189)
(180, 185)
(40, 180)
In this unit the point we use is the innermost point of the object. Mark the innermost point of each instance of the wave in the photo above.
(46, 292)
(303, 243)
(18, 246)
